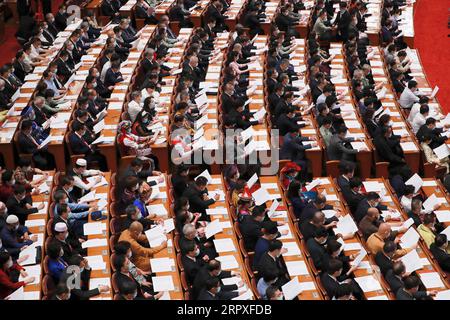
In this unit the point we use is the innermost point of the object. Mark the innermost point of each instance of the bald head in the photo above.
(384, 230)
(373, 214)
(318, 218)
(3, 209)
(136, 228)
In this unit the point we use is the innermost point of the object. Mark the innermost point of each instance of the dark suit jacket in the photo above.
(317, 252)
(383, 262)
(251, 231)
(61, 21)
(78, 145)
(395, 283)
(196, 202)
(293, 149)
(442, 257)
(363, 206)
(200, 281)
(191, 267)
(206, 295)
(111, 78)
(83, 292)
(25, 144)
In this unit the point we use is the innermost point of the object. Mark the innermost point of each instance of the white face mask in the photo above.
(197, 252)
(9, 264)
(280, 297)
(129, 255)
(139, 216)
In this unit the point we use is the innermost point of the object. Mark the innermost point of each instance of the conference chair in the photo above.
(332, 167)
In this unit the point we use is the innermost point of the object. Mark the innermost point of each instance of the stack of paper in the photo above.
(162, 265)
(156, 236)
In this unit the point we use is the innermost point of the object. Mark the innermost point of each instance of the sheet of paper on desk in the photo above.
(430, 202)
(408, 146)
(272, 208)
(408, 223)
(374, 186)
(88, 197)
(31, 252)
(447, 232)
(330, 197)
(329, 213)
(297, 268)
(442, 215)
(213, 228)
(261, 196)
(412, 261)
(350, 246)
(247, 133)
(31, 295)
(431, 280)
(94, 243)
(103, 182)
(213, 193)
(383, 297)
(292, 249)
(92, 228)
(285, 228)
(35, 223)
(162, 265)
(361, 255)
(247, 295)
(16, 295)
(217, 211)
(415, 181)
(158, 209)
(430, 183)
(228, 262)
(368, 283)
(410, 238)
(96, 262)
(443, 295)
(231, 281)
(316, 182)
(346, 225)
(442, 151)
(224, 245)
(95, 282)
(168, 225)
(33, 271)
(291, 289)
(163, 283)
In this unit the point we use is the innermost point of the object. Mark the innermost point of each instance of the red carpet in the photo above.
(433, 43)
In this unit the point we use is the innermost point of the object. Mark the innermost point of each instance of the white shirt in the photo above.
(419, 120)
(105, 68)
(414, 110)
(408, 98)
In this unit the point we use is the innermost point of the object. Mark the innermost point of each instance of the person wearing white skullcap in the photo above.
(60, 234)
(79, 172)
(12, 233)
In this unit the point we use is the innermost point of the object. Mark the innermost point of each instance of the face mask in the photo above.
(65, 237)
(197, 252)
(129, 255)
(1, 243)
(70, 189)
(218, 289)
(61, 253)
(139, 216)
(81, 269)
(145, 121)
(280, 297)
(135, 295)
(67, 200)
(16, 227)
(68, 296)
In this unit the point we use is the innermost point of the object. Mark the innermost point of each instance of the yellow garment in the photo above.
(375, 244)
(427, 234)
(141, 255)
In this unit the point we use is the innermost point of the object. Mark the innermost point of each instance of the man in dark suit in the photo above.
(197, 195)
(64, 72)
(347, 171)
(228, 98)
(191, 260)
(275, 96)
(211, 270)
(385, 258)
(339, 148)
(355, 196)
(113, 75)
(61, 18)
(312, 207)
(251, 21)
(50, 19)
(440, 253)
(214, 11)
(394, 277)
(288, 122)
(411, 290)
(108, 9)
(250, 227)
(390, 151)
(372, 201)
(293, 149)
(211, 289)
(331, 284)
(20, 205)
(429, 129)
(29, 145)
(316, 248)
(142, 11)
(271, 262)
(343, 20)
(19, 69)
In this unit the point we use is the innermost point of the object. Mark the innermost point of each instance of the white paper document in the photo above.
(412, 261)
(368, 283)
(224, 245)
(410, 238)
(228, 262)
(297, 268)
(162, 265)
(213, 228)
(163, 283)
(415, 181)
(291, 289)
(431, 280)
